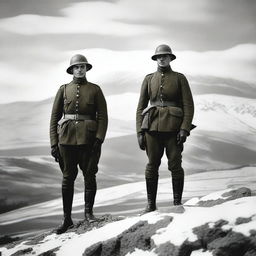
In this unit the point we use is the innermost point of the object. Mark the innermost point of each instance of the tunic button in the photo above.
(76, 122)
(77, 95)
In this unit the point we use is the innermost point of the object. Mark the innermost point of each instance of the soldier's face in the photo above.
(79, 71)
(163, 60)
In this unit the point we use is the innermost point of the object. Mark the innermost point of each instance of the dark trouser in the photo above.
(72, 157)
(156, 144)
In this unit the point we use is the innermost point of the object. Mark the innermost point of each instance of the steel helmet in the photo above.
(163, 49)
(78, 59)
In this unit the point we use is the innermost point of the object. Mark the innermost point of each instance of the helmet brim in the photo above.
(154, 57)
(70, 68)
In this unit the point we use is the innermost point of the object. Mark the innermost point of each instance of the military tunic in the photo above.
(173, 110)
(76, 137)
(164, 87)
(83, 99)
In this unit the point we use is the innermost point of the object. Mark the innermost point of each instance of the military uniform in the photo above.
(170, 110)
(78, 119)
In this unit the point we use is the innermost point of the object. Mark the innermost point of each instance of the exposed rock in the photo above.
(241, 220)
(178, 231)
(213, 238)
(85, 226)
(238, 193)
(137, 236)
(206, 234)
(23, 252)
(233, 244)
(8, 239)
(49, 253)
(227, 196)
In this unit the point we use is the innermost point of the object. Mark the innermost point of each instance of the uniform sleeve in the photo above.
(57, 112)
(142, 104)
(188, 104)
(102, 115)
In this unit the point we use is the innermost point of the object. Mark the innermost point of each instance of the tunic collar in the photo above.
(79, 80)
(164, 69)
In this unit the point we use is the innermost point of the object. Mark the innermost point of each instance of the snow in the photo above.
(230, 113)
(181, 228)
(244, 228)
(50, 242)
(215, 196)
(201, 253)
(196, 185)
(152, 217)
(178, 231)
(138, 252)
(192, 201)
(78, 244)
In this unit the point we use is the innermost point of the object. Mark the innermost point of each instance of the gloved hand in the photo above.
(96, 145)
(55, 152)
(141, 140)
(182, 136)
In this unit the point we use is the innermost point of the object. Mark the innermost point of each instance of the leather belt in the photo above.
(164, 103)
(78, 117)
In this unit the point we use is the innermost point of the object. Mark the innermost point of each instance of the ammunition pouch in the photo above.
(146, 121)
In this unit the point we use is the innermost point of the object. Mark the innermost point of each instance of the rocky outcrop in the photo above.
(228, 195)
(221, 224)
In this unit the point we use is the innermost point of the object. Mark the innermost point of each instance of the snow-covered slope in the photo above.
(227, 227)
(126, 200)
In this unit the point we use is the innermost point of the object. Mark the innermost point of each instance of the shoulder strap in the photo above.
(65, 94)
(149, 83)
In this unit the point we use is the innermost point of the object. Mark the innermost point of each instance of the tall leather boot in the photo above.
(67, 200)
(90, 188)
(151, 185)
(89, 196)
(177, 187)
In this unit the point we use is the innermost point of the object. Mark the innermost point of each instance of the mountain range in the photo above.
(225, 115)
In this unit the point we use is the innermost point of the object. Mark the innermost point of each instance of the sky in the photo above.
(38, 38)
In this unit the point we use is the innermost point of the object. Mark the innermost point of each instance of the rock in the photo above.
(224, 197)
(23, 252)
(137, 236)
(233, 244)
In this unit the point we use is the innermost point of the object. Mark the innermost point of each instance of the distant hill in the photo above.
(224, 139)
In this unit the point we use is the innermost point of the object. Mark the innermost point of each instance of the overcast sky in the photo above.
(38, 37)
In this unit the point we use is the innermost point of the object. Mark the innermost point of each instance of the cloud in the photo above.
(90, 17)
(115, 68)
(184, 24)
(237, 62)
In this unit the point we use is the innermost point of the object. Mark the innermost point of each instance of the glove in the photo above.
(55, 152)
(97, 145)
(141, 140)
(182, 136)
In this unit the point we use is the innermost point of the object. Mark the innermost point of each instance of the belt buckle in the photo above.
(76, 116)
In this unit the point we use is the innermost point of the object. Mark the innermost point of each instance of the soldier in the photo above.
(165, 123)
(77, 130)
